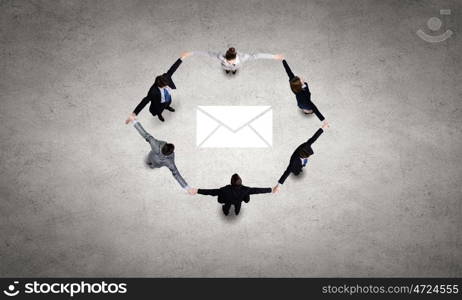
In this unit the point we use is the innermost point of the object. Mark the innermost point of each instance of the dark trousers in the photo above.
(227, 206)
(163, 106)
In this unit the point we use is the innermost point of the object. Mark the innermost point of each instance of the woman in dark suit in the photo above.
(233, 194)
(302, 93)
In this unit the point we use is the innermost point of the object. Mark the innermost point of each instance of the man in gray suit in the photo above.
(162, 155)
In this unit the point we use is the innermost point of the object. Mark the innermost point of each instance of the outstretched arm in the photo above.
(140, 106)
(174, 67)
(253, 190)
(155, 144)
(284, 175)
(288, 70)
(317, 134)
(245, 57)
(281, 180)
(315, 109)
(317, 112)
(209, 192)
(206, 53)
(176, 174)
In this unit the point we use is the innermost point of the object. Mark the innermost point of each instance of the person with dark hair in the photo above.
(162, 155)
(302, 93)
(160, 93)
(231, 60)
(299, 158)
(233, 194)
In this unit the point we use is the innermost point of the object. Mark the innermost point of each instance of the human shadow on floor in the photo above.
(146, 162)
(302, 113)
(300, 176)
(231, 217)
(230, 75)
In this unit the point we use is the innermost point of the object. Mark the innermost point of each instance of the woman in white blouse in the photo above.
(232, 60)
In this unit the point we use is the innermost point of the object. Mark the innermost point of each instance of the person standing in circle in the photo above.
(299, 158)
(232, 60)
(160, 93)
(162, 154)
(233, 194)
(302, 93)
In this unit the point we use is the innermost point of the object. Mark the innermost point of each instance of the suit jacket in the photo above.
(234, 194)
(154, 96)
(157, 159)
(304, 96)
(295, 164)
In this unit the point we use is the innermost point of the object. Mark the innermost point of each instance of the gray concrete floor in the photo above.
(381, 196)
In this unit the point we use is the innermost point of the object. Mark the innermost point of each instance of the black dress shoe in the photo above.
(170, 109)
(225, 210)
(227, 72)
(161, 118)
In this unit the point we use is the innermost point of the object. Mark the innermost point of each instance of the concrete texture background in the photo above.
(381, 197)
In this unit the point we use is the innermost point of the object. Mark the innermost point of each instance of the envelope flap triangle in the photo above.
(234, 117)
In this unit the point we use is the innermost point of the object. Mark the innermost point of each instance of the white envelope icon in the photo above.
(234, 126)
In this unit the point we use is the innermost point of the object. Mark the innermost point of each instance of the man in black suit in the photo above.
(299, 158)
(233, 194)
(160, 93)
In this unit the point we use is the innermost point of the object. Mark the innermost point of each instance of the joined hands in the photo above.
(131, 118)
(279, 56)
(192, 191)
(185, 55)
(276, 189)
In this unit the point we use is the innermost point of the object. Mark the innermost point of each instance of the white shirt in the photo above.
(240, 58)
(226, 65)
(162, 96)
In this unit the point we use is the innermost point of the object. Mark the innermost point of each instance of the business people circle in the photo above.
(160, 97)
